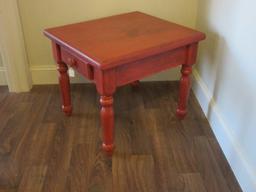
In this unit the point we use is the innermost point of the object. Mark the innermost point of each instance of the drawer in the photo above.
(82, 67)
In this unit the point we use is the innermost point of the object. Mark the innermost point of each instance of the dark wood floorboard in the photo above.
(41, 150)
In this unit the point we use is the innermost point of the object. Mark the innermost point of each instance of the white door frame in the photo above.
(12, 48)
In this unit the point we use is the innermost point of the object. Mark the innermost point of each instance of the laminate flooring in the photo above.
(41, 150)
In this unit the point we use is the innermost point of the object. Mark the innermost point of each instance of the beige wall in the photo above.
(37, 15)
(226, 81)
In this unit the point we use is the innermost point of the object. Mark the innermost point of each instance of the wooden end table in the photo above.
(119, 50)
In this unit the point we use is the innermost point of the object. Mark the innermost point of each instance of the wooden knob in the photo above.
(72, 62)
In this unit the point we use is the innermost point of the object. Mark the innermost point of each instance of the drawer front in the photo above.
(83, 67)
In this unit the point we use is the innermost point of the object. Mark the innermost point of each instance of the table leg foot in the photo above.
(67, 110)
(181, 113)
(108, 149)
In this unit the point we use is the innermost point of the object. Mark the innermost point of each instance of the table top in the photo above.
(119, 39)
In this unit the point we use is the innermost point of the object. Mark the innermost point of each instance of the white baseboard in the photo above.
(231, 147)
(47, 74)
(2, 76)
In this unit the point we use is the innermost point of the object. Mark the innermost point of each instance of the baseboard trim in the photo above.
(2, 76)
(47, 74)
(231, 147)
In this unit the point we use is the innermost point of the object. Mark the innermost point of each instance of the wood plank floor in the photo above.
(41, 150)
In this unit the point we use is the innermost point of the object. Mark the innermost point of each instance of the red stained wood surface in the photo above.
(122, 49)
(63, 80)
(107, 119)
(123, 38)
(185, 84)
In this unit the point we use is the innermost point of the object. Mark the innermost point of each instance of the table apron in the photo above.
(136, 70)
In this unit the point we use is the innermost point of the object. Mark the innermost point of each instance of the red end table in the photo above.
(119, 50)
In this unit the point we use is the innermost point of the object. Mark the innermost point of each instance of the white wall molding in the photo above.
(243, 171)
(47, 74)
(2, 76)
(13, 48)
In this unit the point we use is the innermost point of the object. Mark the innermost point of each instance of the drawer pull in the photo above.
(72, 62)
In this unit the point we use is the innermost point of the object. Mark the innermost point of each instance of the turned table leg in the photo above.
(185, 84)
(107, 123)
(65, 88)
